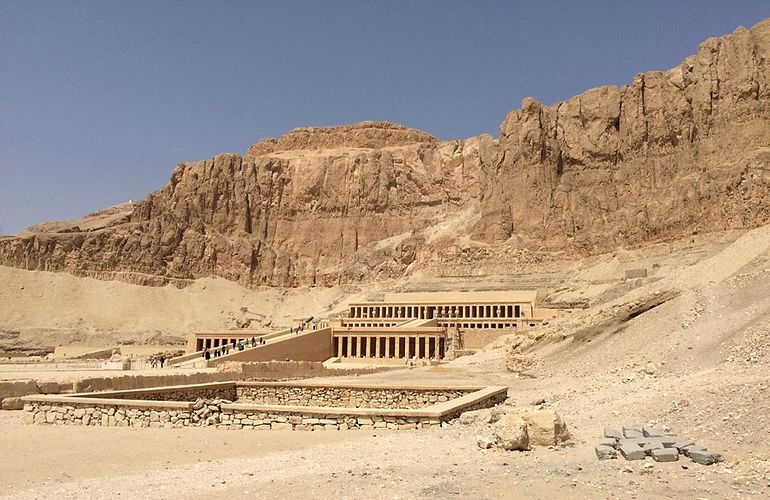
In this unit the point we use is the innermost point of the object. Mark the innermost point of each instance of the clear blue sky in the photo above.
(100, 99)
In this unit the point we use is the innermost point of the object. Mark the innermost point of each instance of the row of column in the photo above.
(430, 312)
(389, 346)
(212, 343)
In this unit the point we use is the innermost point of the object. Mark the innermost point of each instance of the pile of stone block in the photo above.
(637, 443)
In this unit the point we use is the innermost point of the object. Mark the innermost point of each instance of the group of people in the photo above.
(301, 327)
(228, 348)
(157, 360)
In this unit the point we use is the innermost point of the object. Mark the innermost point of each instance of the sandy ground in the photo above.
(199, 463)
(698, 363)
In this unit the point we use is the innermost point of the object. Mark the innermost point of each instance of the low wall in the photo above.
(221, 390)
(345, 397)
(277, 370)
(128, 382)
(111, 410)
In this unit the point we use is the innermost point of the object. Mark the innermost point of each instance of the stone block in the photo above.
(652, 445)
(649, 431)
(631, 451)
(281, 426)
(704, 457)
(609, 432)
(604, 452)
(632, 432)
(611, 442)
(665, 455)
(681, 445)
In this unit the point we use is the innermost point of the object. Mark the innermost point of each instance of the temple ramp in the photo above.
(310, 345)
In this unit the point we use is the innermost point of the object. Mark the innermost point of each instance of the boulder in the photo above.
(545, 428)
(511, 433)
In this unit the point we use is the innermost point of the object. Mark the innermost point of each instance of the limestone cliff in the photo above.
(675, 152)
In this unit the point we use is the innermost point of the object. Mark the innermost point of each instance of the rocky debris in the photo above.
(511, 433)
(485, 442)
(671, 154)
(636, 443)
(542, 427)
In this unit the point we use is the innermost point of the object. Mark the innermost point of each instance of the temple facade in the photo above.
(405, 326)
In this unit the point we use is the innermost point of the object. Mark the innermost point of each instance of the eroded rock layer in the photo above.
(673, 153)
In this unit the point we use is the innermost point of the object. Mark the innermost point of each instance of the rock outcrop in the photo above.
(672, 154)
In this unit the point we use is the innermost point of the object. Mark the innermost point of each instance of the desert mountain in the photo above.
(673, 153)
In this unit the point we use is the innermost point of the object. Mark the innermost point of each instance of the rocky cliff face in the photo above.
(675, 152)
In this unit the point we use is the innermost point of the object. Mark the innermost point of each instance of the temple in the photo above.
(401, 327)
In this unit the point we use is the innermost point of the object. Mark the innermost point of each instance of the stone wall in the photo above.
(345, 397)
(225, 391)
(277, 370)
(210, 414)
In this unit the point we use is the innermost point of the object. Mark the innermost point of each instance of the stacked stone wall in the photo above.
(346, 397)
(226, 392)
(210, 414)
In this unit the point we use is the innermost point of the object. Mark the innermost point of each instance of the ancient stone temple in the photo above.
(401, 327)
(426, 325)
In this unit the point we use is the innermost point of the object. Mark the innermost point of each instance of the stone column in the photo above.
(387, 346)
(398, 347)
(378, 341)
(408, 347)
(339, 347)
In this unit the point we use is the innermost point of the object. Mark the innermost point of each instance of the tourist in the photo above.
(162, 360)
(253, 341)
(206, 354)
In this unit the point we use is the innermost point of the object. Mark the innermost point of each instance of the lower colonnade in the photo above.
(390, 346)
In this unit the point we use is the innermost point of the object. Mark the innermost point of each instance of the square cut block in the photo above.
(665, 455)
(612, 433)
(607, 442)
(652, 445)
(631, 451)
(704, 457)
(632, 432)
(650, 431)
(604, 452)
(682, 444)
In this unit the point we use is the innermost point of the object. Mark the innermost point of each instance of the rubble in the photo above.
(636, 443)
